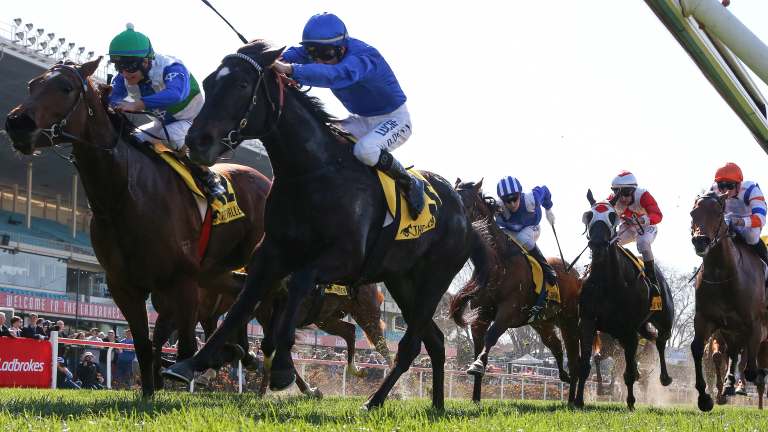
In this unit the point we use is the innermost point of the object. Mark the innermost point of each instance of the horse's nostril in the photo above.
(20, 122)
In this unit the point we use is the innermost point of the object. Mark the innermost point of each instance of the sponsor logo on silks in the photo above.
(171, 75)
(401, 134)
(18, 366)
(385, 127)
(415, 230)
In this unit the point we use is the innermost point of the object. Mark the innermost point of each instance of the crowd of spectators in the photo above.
(80, 366)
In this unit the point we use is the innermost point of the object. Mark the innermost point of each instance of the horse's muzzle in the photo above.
(22, 130)
(701, 244)
(201, 148)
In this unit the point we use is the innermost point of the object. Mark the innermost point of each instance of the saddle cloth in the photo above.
(409, 228)
(656, 303)
(553, 291)
(222, 212)
(335, 289)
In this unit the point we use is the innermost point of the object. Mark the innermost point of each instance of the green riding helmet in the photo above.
(130, 43)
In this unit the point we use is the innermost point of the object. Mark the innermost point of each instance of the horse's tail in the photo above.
(483, 258)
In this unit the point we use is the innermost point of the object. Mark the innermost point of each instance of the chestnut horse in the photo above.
(146, 223)
(730, 294)
(503, 303)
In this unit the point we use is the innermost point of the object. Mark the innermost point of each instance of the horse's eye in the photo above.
(244, 84)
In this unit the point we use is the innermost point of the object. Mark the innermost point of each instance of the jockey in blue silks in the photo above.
(520, 217)
(359, 76)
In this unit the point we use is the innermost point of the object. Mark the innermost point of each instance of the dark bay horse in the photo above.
(730, 293)
(146, 223)
(324, 218)
(606, 346)
(615, 299)
(503, 303)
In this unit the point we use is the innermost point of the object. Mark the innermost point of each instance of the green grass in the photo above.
(22, 410)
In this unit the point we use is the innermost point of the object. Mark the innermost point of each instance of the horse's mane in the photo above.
(255, 50)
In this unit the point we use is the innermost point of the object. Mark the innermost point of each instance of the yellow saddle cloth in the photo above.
(222, 212)
(638, 263)
(553, 291)
(340, 290)
(409, 228)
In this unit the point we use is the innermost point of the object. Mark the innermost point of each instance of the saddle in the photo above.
(656, 301)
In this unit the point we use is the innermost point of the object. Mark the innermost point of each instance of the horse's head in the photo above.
(241, 103)
(56, 109)
(707, 222)
(600, 223)
(477, 205)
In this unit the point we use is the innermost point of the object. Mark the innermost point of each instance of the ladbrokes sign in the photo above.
(25, 363)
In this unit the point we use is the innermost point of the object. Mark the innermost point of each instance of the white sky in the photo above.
(562, 93)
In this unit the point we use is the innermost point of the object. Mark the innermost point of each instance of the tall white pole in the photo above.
(74, 205)
(735, 35)
(53, 338)
(29, 195)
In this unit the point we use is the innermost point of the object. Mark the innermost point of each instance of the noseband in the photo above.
(718, 236)
(57, 130)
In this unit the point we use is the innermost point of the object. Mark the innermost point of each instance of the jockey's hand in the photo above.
(550, 216)
(643, 220)
(283, 68)
(130, 106)
(738, 222)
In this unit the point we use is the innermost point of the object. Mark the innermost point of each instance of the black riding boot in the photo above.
(761, 250)
(650, 273)
(210, 180)
(412, 187)
(549, 273)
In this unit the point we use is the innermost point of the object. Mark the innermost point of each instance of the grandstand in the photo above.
(47, 265)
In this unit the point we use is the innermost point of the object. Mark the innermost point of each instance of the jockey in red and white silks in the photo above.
(639, 214)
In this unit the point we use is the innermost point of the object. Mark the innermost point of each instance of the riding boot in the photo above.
(210, 180)
(761, 250)
(412, 187)
(650, 273)
(550, 276)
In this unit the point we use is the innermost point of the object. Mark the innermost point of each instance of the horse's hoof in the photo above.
(729, 391)
(314, 393)
(250, 362)
(741, 391)
(355, 371)
(369, 405)
(476, 369)
(281, 379)
(564, 377)
(705, 403)
(631, 407)
(181, 371)
(721, 400)
(665, 380)
(231, 353)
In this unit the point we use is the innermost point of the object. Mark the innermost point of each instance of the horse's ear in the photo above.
(479, 185)
(613, 217)
(88, 68)
(458, 182)
(590, 198)
(270, 56)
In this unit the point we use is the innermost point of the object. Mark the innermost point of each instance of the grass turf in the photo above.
(29, 409)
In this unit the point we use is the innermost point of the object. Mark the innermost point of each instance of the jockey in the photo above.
(639, 215)
(359, 76)
(745, 207)
(162, 84)
(520, 217)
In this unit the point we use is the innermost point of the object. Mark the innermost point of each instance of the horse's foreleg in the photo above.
(546, 331)
(163, 329)
(630, 369)
(752, 349)
(718, 362)
(434, 342)
(345, 331)
(568, 331)
(587, 331)
(664, 377)
(135, 311)
(702, 332)
(478, 328)
(368, 316)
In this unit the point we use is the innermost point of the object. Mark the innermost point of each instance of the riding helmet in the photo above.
(130, 43)
(325, 29)
(508, 186)
(624, 179)
(729, 172)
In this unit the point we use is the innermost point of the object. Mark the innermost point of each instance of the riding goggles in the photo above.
(322, 52)
(511, 198)
(129, 66)
(726, 185)
(625, 192)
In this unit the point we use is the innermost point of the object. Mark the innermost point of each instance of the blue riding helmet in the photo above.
(508, 186)
(325, 29)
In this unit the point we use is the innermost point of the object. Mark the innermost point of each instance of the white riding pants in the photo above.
(177, 132)
(527, 236)
(628, 234)
(377, 133)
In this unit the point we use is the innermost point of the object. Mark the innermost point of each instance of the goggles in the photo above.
(625, 191)
(129, 65)
(511, 198)
(322, 52)
(725, 185)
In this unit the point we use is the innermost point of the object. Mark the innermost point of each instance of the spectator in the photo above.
(39, 329)
(103, 360)
(16, 323)
(88, 371)
(29, 330)
(64, 376)
(4, 330)
(125, 361)
(61, 328)
(93, 335)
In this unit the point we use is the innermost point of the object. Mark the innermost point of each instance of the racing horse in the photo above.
(616, 299)
(146, 225)
(509, 294)
(324, 219)
(730, 295)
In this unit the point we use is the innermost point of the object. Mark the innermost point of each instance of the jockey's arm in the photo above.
(176, 78)
(296, 55)
(119, 92)
(757, 208)
(651, 208)
(347, 72)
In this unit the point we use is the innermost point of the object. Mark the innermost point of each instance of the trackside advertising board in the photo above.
(25, 363)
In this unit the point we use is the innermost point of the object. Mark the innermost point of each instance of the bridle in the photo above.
(235, 136)
(57, 130)
(719, 232)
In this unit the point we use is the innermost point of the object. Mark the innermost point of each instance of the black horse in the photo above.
(324, 218)
(615, 299)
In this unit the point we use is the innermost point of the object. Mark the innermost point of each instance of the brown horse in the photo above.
(146, 223)
(730, 293)
(503, 302)
(323, 310)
